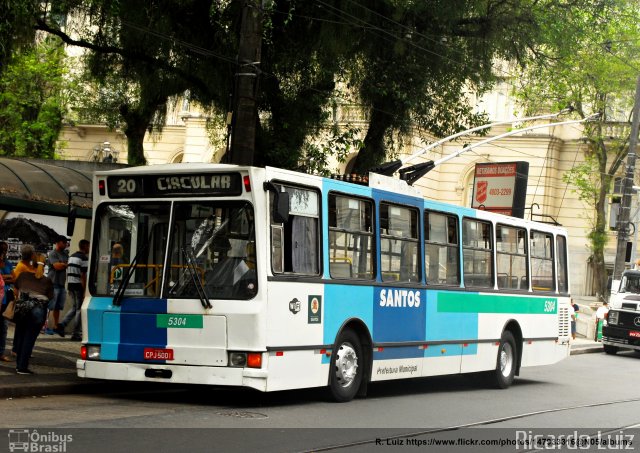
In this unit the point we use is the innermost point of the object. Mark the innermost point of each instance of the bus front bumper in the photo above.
(178, 374)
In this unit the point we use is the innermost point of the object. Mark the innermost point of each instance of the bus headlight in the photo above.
(613, 317)
(244, 359)
(237, 358)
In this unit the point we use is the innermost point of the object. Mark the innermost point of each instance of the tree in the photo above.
(16, 28)
(420, 61)
(408, 63)
(33, 88)
(587, 66)
(136, 57)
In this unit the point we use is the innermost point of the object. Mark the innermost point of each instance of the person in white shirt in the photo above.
(600, 314)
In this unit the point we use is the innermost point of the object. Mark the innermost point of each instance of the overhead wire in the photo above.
(357, 22)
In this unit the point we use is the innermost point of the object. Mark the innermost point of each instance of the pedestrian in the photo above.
(600, 314)
(5, 272)
(572, 315)
(39, 290)
(576, 310)
(26, 263)
(76, 284)
(58, 261)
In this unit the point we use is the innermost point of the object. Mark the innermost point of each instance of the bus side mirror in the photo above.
(71, 221)
(281, 207)
(280, 203)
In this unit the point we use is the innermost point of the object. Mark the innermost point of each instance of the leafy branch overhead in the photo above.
(406, 64)
(592, 66)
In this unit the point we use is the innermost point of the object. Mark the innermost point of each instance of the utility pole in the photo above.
(245, 112)
(627, 189)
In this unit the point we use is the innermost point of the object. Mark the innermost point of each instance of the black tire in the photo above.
(613, 350)
(506, 362)
(347, 367)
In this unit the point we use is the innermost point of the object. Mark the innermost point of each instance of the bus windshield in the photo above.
(630, 284)
(211, 247)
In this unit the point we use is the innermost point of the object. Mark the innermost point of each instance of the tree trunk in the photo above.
(373, 152)
(599, 233)
(136, 127)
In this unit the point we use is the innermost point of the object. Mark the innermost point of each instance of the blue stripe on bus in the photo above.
(391, 315)
(398, 315)
(144, 305)
(343, 302)
(137, 332)
(95, 311)
(124, 331)
(449, 326)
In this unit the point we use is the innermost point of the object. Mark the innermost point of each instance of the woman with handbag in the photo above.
(5, 272)
(35, 291)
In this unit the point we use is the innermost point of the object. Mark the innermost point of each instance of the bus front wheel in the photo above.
(506, 362)
(613, 350)
(347, 367)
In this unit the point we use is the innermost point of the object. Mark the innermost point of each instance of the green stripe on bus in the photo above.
(179, 321)
(487, 303)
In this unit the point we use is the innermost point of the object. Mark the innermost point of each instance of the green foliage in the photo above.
(588, 63)
(586, 180)
(337, 145)
(33, 89)
(16, 28)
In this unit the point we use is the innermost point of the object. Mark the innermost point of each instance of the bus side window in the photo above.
(511, 257)
(561, 253)
(351, 241)
(542, 261)
(441, 244)
(477, 251)
(295, 243)
(399, 243)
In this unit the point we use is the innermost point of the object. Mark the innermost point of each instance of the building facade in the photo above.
(550, 152)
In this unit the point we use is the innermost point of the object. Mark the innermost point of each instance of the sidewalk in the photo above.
(54, 362)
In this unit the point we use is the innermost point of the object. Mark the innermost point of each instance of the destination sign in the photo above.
(156, 186)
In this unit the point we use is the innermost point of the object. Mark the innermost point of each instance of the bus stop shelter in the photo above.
(49, 187)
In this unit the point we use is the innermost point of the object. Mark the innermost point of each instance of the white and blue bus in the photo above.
(271, 279)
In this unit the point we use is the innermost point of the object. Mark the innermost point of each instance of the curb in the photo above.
(587, 350)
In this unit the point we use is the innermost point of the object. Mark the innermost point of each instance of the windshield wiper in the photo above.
(197, 282)
(119, 295)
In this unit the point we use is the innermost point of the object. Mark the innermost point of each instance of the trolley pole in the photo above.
(627, 190)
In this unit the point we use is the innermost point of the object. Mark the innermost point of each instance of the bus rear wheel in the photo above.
(506, 363)
(347, 367)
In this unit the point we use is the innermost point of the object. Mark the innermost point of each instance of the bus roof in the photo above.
(376, 181)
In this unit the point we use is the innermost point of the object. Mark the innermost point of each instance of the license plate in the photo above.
(634, 333)
(158, 354)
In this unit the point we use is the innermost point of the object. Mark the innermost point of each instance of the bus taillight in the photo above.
(248, 359)
(247, 183)
(83, 352)
(254, 360)
(101, 187)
